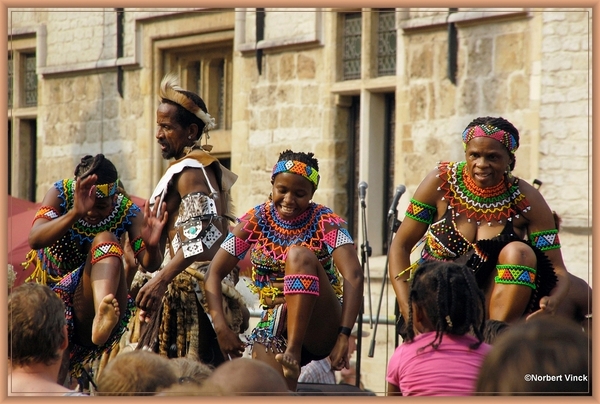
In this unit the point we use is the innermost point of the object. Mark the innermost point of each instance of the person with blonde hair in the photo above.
(136, 373)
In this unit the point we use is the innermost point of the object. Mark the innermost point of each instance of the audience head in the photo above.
(447, 296)
(190, 370)
(544, 355)
(136, 373)
(37, 329)
(244, 376)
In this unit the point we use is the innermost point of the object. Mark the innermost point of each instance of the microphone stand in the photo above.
(393, 223)
(365, 253)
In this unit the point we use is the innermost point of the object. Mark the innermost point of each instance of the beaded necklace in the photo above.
(502, 201)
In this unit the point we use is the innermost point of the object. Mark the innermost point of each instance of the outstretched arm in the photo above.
(408, 235)
(346, 260)
(230, 252)
(541, 219)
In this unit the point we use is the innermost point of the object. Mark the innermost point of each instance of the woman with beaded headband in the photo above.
(475, 212)
(77, 237)
(304, 267)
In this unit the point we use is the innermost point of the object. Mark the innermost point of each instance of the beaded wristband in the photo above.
(421, 212)
(106, 250)
(137, 245)
(345, 330)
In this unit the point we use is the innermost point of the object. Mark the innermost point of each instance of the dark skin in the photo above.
(291, 195)
(173, 138)
(487, 159)
(101, 295)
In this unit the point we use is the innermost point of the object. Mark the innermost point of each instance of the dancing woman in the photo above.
(305, 271)
(76, 240)
(475, 212)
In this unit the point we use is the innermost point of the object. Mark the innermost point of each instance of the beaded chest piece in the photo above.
(498, 203)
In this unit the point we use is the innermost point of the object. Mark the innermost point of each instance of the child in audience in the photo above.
(444, 348)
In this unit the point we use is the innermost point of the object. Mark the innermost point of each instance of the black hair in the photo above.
(492, 329)
(449, 296)
(99, 165)
(499, 123)
(184, 117)
(306, 158)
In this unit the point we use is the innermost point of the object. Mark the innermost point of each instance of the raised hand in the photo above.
(153, 225)
(85, 194)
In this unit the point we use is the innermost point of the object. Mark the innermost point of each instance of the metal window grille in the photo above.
(386, 44)
(31, 86)
(10, 81)
(352, 46)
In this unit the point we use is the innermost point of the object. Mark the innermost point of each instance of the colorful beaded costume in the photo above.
(444, 242)
(66, 255)
(61, 265)
(271, 237)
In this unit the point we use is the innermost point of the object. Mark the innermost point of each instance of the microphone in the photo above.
(362, 191)
(400, 189)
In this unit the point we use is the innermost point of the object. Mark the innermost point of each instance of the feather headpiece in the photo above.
(170, 90)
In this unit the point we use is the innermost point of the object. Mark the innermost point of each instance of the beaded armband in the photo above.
(193, 235)
(137, 246)
(105, 250)
(421, 212)
(235, 246)
(545, 240)
(46, 212)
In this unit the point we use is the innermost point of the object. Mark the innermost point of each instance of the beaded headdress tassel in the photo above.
(297, 167)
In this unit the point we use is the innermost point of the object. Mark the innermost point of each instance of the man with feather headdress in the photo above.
(194, 191)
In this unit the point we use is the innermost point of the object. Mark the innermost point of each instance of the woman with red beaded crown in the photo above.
(475, 212)
(305, 271)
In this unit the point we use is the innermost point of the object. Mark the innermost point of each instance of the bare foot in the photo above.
(291, 368)
(107, 316)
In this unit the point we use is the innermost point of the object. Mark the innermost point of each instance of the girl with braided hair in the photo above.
(76, 240)
(444, 348)
(304, 263)
(475, 212)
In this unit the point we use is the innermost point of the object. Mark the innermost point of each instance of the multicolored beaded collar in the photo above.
(297, 167)
(497, 203)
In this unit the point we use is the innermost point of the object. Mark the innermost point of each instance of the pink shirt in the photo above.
(449, 370)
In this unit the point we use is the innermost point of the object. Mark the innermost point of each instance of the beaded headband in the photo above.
(297, 167)
(104, 190)
(506, 138)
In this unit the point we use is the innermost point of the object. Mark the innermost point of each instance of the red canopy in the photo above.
(20, 217)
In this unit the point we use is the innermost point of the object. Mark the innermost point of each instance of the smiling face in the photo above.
(487, 160)
(291, 194)
(102, 208)
(171, 136)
